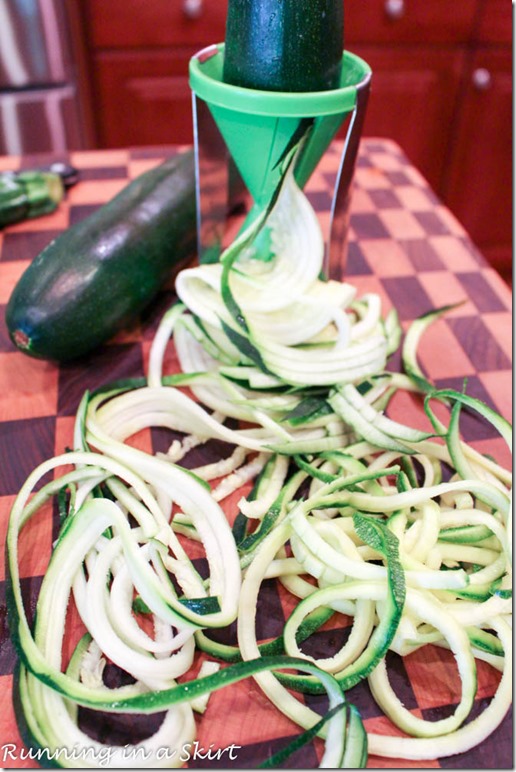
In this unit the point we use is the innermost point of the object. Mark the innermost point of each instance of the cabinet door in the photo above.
(478, 183)
(413, 97)
(143, 98)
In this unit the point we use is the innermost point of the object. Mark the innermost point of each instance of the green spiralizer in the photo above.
(241, 134)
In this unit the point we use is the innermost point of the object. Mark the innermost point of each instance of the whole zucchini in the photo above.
(284, 45)
(99, 274)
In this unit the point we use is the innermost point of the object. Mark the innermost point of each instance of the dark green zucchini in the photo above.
(284, 45)
(99, 274)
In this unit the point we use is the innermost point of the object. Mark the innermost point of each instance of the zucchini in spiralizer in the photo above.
(292, 45)
(100, 273)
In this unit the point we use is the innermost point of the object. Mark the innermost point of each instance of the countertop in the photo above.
(403, 244)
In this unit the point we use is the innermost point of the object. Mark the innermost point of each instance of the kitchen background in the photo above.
(114, 73)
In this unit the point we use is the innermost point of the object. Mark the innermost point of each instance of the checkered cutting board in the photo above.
(403, 244)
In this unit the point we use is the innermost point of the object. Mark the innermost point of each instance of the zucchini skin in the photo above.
(99, 274)
(284, 45)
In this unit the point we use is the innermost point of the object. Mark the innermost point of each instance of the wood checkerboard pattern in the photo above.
(403, 244)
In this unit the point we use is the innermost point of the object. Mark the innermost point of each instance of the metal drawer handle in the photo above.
(192, 8)
(482, 79)
(394, 9)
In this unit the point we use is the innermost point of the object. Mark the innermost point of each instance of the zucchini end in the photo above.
(23, 342)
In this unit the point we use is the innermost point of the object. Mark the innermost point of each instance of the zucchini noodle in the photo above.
(400, 534)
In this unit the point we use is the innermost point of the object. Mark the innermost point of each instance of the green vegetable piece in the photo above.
(99, 274)
(295, 45)
(28, 194)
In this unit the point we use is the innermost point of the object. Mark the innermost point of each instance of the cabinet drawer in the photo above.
(145, 23)
(409, 21)
(143, 98)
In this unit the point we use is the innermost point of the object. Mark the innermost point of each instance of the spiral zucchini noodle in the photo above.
(405, 532)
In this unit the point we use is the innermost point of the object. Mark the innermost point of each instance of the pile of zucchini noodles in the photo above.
(407, 533)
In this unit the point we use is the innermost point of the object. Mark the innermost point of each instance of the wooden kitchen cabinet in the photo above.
(143, 98)
(482, 153)
(426, 56)
(442, 88)
(412, 100)
(139, 53)
(400, 22)
(477, 183)
(155, 23)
